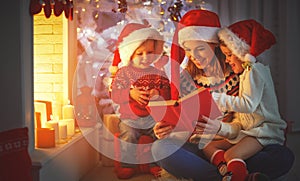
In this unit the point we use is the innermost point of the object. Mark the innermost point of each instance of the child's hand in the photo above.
(153, 94)
(195, 138)
(207, 126)
(139, 95)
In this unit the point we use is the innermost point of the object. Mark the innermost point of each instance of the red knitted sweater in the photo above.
(128, 77)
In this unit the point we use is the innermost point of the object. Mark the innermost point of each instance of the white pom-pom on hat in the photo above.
(249, 58)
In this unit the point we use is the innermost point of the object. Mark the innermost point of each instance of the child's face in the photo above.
(232, 60)
(199, 52)
(144, 55)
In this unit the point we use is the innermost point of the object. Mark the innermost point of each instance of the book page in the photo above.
(162, 103)
(183, 113)
(173, 102)
(195, 92)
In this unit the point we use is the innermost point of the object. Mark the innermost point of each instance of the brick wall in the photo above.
(48, 60)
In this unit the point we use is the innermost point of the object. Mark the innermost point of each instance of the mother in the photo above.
(196, 36)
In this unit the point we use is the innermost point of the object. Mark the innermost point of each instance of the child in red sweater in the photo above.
(133, 85)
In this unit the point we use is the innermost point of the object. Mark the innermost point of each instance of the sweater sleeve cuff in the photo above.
(225, 130)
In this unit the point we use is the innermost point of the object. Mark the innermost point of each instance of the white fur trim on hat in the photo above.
(203, 33)
(238, 46)
(131, 42)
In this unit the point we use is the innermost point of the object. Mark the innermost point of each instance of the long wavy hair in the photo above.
(194, 70)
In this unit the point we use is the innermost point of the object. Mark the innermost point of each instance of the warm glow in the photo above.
(51, 61)
(65, 99)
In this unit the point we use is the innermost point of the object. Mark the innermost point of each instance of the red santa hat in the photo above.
(195, 25)
(130, 38)
(247, 39)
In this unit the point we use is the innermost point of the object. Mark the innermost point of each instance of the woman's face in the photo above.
(144, 55)
(232, 60)
(199, 52)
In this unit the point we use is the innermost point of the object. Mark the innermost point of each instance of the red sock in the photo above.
(217, 157)
(238, 169)
(218, 160)
(155, 171)
(125, 173)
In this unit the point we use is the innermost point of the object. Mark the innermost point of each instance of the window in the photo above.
(54, 61)
(50, 60)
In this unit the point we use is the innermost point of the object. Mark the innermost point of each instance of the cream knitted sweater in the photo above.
(256, 108)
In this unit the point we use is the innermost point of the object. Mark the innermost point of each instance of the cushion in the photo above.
(15, 162)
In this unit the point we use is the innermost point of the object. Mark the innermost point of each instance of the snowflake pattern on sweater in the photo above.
(230, 84)
(128, 77)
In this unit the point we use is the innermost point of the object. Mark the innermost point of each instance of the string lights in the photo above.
(60, 6)
(122, 6)
(175, 10)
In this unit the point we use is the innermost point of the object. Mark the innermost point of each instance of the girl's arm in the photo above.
(250, 94)
(230, 130)
(215, 126)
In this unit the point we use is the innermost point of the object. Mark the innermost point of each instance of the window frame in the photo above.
(26, 54)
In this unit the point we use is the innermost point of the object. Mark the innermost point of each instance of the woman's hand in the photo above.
(207, 126)
(161, 130)
(139, 95)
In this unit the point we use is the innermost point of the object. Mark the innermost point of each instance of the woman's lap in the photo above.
(183, 162)
(186, 162)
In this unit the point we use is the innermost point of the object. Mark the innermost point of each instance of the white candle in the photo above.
(68, 111)
(70, 126)
(54, 125)
(62, 131)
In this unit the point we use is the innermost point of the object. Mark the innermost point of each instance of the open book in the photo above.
(183, 113)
